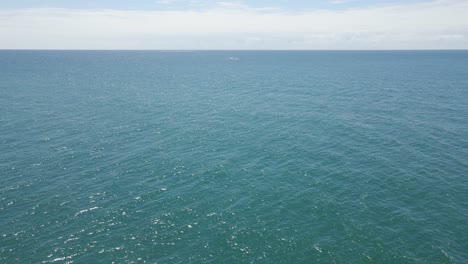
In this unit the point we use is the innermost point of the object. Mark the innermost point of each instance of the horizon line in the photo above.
(190, 50)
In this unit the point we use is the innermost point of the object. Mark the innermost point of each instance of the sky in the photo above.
(239, 25)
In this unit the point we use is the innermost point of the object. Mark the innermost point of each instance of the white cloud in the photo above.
(338, 2)
(166, 2)
(232, 25)
(232, 5)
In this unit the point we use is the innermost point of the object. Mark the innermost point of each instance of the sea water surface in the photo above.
(234, 157)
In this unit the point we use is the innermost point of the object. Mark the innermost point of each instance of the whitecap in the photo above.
(86, 210)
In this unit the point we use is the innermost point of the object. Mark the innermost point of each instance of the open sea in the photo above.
(234, 157)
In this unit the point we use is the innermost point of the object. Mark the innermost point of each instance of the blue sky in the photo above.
(287, 5)
(225, 24)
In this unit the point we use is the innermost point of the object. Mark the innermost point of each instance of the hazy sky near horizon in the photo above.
(210, 24)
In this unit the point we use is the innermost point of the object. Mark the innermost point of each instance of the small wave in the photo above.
(86, 210)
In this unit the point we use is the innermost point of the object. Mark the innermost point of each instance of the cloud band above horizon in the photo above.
(430, 25)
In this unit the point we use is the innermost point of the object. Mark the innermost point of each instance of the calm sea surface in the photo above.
(233, 157)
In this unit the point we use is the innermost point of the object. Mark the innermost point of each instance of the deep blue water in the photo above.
(234, 157)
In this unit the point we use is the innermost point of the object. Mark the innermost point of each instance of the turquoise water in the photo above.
(233, 157)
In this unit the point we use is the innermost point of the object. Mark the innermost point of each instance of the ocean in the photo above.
(233, 157)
